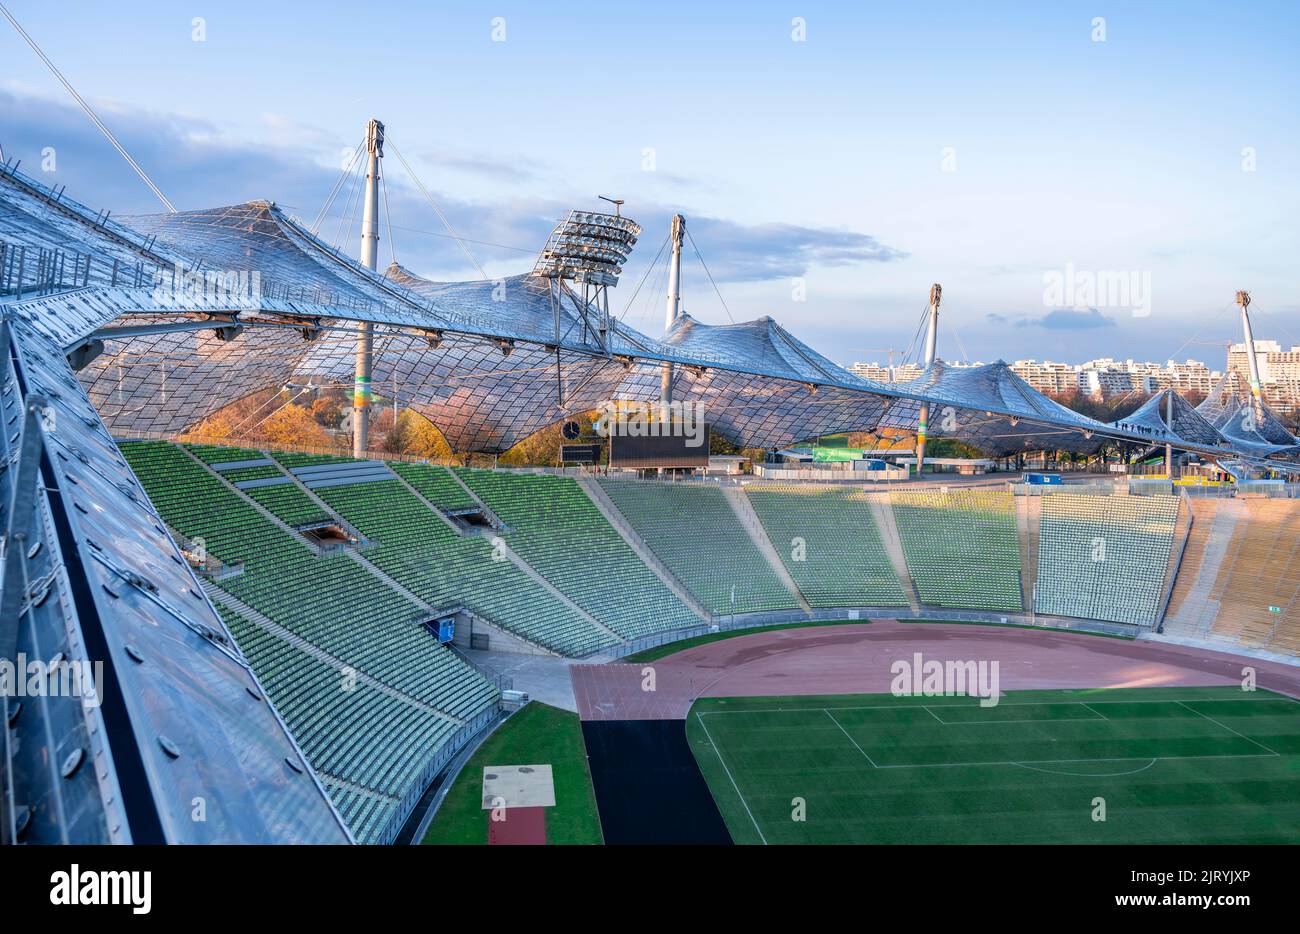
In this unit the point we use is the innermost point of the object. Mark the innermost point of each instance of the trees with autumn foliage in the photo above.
(294, 424)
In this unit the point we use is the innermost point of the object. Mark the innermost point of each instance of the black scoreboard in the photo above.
(580, 453)
(670, 450)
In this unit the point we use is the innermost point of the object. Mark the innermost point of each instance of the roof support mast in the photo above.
(1243, 299)
(1169, 427)
(674, 307)
(369, 259)
(931, 340)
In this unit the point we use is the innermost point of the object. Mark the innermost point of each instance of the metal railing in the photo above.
(728, 624)
(445, 754)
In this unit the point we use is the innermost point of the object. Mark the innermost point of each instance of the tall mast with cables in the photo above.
(931, 341)
(1169, 428)
(1243, 299)
(369, 259)
(674, 308)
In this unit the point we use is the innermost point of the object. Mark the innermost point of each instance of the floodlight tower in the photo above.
(587, 248)
(931, 339)
(369, 259)
(674, 307)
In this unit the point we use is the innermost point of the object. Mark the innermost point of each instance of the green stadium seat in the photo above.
(420, 550)
(559, 531)
(695, 532)
(828, 541)
(1104, 557)
(962, 547)
(370, 738)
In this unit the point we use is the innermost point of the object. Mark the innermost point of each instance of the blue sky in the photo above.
(982, 146)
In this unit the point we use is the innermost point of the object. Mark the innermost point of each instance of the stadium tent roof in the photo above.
(37, 219)
(1249, 425)
(1188, 423)
(759, 386)
(183, 717)
(488, 362)
(993, 409)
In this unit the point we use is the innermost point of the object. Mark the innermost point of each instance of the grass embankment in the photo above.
(536, 735)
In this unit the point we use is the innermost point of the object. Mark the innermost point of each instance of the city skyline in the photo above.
(1105, 377)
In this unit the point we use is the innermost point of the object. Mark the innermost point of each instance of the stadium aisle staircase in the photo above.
(555, 528)
(828, 541)
(1191, 608)
(694, 531)
(962, 547)
(1105, 557)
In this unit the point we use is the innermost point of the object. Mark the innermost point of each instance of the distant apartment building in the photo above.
(887, 374)
(1105, 377)
(1047, 377)
(1279, 372)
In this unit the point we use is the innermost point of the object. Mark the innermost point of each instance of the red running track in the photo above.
(856, 659)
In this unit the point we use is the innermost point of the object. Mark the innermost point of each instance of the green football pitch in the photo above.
(1160, 765)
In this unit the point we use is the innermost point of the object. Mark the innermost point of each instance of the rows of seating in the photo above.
(292, 459)
(961, 546)
(1257, 588)
(218, 453)
(1105, 557)
(240, 474)
(695, 532)
(289, 503)
(1098, 556)
(557, 529)
(333, 601)
(422, 551)
(436, 484)
(350, 731)
(828, 540)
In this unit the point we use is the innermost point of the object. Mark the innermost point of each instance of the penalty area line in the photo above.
(1224, 726)
(850, 738)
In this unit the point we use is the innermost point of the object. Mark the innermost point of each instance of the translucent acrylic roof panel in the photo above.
(479, 397)
(759, 346)
(1249, 424)
(488, 361)
(95, 249)
(171, 382)
(248, 237)
(1188, 423)
(193, 715)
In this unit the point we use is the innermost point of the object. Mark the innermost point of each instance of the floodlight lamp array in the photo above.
(588, 247)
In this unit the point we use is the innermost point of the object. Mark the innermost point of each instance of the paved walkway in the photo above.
(544, 677)
(856, 659)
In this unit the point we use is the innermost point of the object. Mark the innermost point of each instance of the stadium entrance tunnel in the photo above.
(649, 789)
(472, 521)
(329, 537)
